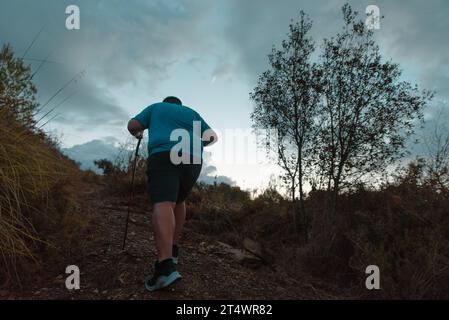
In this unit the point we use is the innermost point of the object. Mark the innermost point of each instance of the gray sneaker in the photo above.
(164, 275)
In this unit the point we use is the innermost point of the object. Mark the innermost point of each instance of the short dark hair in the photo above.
(173, 100)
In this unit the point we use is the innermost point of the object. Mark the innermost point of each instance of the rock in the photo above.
(59, 279)
(121, 278)
(241, 256)
(253, 247)
(246, 258)
(202, 247)
(258, 250)
(224, 246)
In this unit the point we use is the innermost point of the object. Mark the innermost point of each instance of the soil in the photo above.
(108, 272)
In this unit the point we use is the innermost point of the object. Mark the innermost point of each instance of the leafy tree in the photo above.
(366, 111)
(17, 92)
(338, 120)
(286, 100)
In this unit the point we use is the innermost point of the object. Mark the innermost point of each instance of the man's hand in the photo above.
(139, 135)
(209, 137)
(135, 128)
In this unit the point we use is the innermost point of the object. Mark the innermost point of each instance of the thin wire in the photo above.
(55, 107)
(56, 115)
(41, 64)
(60, 89)
(32, 42)
(40, 60)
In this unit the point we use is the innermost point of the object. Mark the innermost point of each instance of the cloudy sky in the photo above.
(129, 54)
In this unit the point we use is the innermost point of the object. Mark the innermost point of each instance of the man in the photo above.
(170, 181)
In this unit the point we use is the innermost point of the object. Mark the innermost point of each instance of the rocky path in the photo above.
(107, 272)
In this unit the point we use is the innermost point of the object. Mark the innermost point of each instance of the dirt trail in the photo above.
(107, 272)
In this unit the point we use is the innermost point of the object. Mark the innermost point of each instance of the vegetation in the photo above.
(17, 91)
(400, 227)
(39, 209)
(339, 120)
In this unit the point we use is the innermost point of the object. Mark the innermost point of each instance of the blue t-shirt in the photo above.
(169, 124)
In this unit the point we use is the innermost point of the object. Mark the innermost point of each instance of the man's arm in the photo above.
(208, 136)
(140, 122)
(135, 128)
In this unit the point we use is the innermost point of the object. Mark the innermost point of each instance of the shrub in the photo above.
(38, 196)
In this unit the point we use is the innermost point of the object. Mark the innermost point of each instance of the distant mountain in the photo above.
(85, 154)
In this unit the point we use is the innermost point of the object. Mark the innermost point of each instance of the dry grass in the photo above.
(37, 193)
(402, 228)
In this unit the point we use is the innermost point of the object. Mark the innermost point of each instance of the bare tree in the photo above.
(437, 160)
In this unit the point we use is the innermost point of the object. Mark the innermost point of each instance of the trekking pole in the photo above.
(131, 195)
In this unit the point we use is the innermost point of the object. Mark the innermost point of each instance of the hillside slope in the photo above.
(107, 272)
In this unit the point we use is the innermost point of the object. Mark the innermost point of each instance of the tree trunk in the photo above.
(303, 213)
(293, 191)
(334, 202)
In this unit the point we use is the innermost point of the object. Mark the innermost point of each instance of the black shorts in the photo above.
(170, 182)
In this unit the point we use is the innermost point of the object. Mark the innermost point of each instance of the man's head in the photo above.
(173, 100)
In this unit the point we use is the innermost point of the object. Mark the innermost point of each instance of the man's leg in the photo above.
(180, 217)
(164, 228)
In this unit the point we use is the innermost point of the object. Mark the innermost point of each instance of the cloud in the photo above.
(130, 49)
(119, 45)
(87, 153)
(222, 71)
(208, 172)
(413, 33)
(108, 148)
(87, 106)
(142, 44)
(257, 25)
(208, 177)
